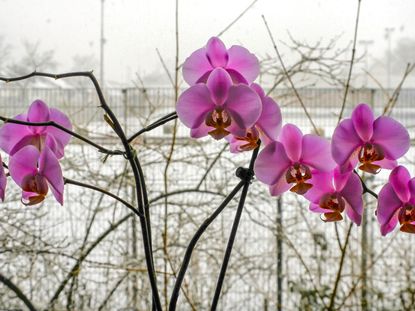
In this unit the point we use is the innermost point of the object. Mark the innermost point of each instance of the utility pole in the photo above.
(366, 44)
(388, 37)
(102, 42)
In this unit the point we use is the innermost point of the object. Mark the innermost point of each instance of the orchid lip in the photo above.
(407, 218)
(368, 154)
(335, 203)
(220, 120)
(299, 174)
(251, 139)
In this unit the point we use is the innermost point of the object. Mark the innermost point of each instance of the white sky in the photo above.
(135, 28)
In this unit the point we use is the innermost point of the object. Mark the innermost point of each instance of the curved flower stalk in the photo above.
(14, 137)
(266, 128)
(396, 202)
(35, 172)
(374, 144)
(241, 65)
(288, 163)
(334, 192)
(3, 180)
(218, 107)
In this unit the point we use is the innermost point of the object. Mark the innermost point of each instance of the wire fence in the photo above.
(287, 259)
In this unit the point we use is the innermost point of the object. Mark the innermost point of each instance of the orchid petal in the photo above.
(391, 136)
(244, 62)
(386, 163)
(279, 187)
(291, 137)
(340, 178)
(3, 180)
(322, 183)
(236, 77)
(50, 168)
(399, 179)
(216, 52)
(344, 142)
(272, 163)
(11, 134)
(411, 186)
(200, 131)
(193, 105)
(219, 83)
(363, 118)
(60, 118)
(388, 208)
(315, 208)
(270, 119)
(316, 153)
(243, 105)
(38, 113)
(352, 214)
(236, 130)
(23, 163)
(196, 66)
(352, 193)
(258, 89)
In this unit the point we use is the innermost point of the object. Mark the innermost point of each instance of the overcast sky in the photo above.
(135, 28)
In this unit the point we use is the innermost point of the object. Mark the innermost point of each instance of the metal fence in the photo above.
(288, 258)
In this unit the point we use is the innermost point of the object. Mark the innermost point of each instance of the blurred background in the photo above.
(87, 255)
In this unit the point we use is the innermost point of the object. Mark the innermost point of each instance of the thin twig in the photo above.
(339, 271)
(365, 187)
(17, 291)
(237, 18)
(167, 118)
(84, 185)
(289, 78)
(349, 76)
(211, 166)
(193, 242)
(106, 300)
(394, 98)
(166, 70)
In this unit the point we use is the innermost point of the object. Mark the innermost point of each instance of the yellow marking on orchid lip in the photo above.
(220, 120)
(335, 203)
(299, 174)
(331, 217)
(368, 154)
(251, 139)
(406, 218)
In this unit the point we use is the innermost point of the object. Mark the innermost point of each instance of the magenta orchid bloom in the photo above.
(35, 172)
(334, 192)
(374, 143)
(3, 181)
(266, 128)
(396, 202)
(218, 107)
(13, 137)
(291, 161)
(242, 66)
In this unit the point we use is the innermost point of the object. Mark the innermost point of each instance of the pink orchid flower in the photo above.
(334, 192)
(242, 66)
(13, 137)
(3, 180)
(396, 202)
(291, 161)
(35, 172)
(266, 128)
(218, 107)
(374, 143)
